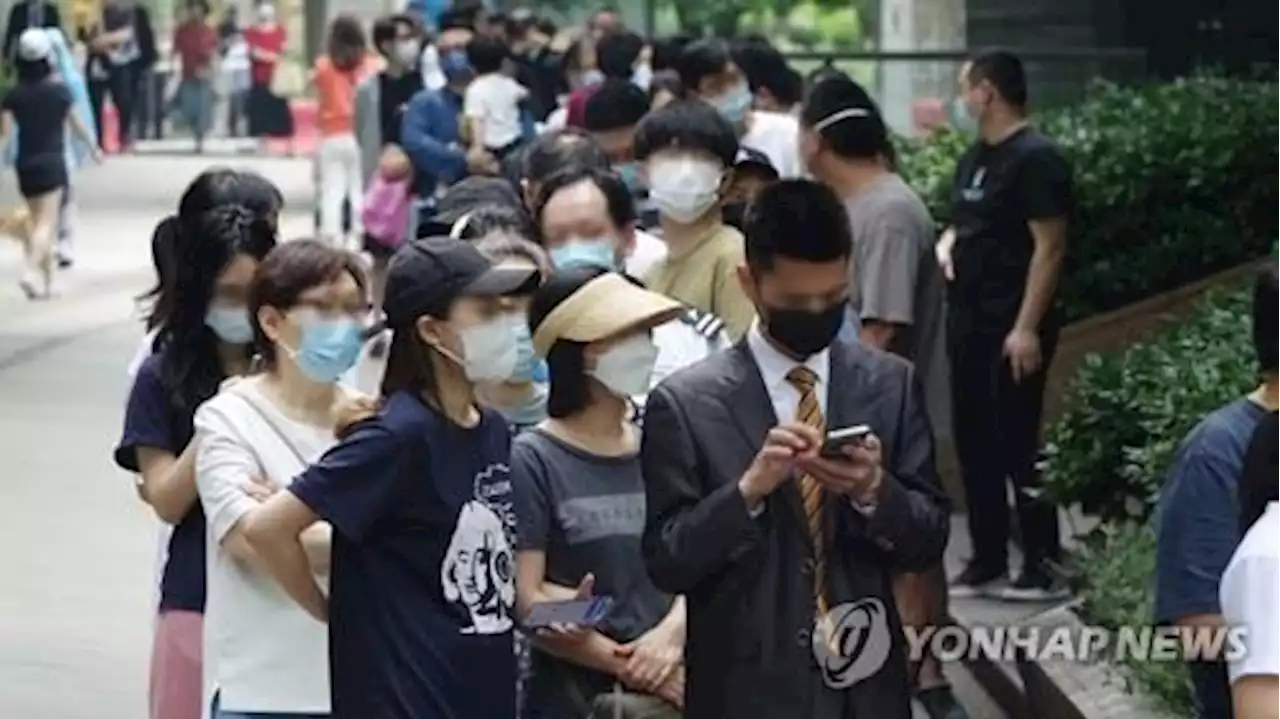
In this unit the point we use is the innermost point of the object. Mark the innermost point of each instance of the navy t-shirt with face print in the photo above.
(150, 420)
(422, 590)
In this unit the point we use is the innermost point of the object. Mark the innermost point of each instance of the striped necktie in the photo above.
(808, 412)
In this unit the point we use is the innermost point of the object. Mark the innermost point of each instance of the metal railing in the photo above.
(916, 89)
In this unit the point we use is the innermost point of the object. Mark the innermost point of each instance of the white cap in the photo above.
(34, 44)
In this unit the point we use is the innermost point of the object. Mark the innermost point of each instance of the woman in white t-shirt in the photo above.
(263, 653)
(1250, 588)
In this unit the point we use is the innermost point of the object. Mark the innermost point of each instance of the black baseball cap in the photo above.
(425, 276)
(462, 198)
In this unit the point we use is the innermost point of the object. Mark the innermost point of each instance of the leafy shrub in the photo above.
(1105, 568)
(1175, 181)
(1126, 413)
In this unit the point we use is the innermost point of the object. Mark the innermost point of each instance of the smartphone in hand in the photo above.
(838, 439)
(577, 612)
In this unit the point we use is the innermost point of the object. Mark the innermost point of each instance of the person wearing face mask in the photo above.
(382, 98)
(308, 305)
(203, 337)
(611, 116)
(585, 218)
(418, 494)
(1011, 201)
(580, 501)
(685, 151)
(618, 55)
(784, 548)
(708, 73)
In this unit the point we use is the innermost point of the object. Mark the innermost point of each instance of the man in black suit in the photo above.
(28, 14)
(783, 551)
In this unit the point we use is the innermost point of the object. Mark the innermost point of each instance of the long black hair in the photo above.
(190, 370)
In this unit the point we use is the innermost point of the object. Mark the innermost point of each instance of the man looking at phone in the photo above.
(784, 556)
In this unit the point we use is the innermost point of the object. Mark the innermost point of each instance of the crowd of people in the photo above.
(664, 365)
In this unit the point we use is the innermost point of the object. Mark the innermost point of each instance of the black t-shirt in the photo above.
(394, 93)
(40, 111)
(996, 191)
(422, 585)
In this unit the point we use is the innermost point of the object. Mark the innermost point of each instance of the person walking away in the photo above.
(28, 14)
(491, 104)
(335, 77)
(235, 68)
(896, 299)
(269, 114)
(66, 68)
(195, 43)
(594, 328)
(1011, 202)
(783, 549)
(39, 111)
(308, 307)
(686, 150)
(419, 497)
(204, 339)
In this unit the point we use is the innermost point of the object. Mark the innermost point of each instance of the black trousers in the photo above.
(121, 85)
(997, 437)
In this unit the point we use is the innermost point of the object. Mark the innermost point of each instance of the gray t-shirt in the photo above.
(586, 512)
(896, 279)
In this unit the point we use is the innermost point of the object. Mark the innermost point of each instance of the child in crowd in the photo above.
(493, 100)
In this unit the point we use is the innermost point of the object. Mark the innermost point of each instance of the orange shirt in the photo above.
(336, 95)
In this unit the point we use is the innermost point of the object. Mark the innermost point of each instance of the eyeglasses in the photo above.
(305, 309)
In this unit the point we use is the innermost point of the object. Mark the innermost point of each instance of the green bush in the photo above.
(1104, 571)
(1175, 181)
(1126, 413)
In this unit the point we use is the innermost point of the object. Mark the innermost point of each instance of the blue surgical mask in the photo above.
(230, 324)
(530, 411)
(541, 372)
(454, 66)
(630, 174)
(589, 253)
(734, 104)
(526, 360)
(328, 348)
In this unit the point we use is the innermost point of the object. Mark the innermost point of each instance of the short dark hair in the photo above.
(1266, 315)
(291, 269)
(796, 219)
(666, 51)
(456, 18)
(1005, 73)
(616, 54)
(493, 218)
(386, 29)
(33, 70)
(617, 197)
(486, 54)
(552, 152)
(858, 136)
(701, 59)
(615, 105)
(346, 45)
(687, 125)
(758, 59)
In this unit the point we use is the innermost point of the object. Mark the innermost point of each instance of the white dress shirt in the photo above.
(774, 367)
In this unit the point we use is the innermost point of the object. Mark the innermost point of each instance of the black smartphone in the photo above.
(837, 439)
(578, 612)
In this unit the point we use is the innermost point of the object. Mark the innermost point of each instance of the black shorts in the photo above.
(41, 177)
(376, 249)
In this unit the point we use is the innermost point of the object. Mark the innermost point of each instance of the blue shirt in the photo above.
(429, 136)
(1197, 531)
(151, 421)
(422, 590)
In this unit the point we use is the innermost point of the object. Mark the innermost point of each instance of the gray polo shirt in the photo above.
(895, 278)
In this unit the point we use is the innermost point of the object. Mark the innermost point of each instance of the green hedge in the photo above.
(1126, 413)
(1106, 567)
(1175, 181)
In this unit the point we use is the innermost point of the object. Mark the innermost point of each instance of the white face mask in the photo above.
(490, 350)
(407, 52)
(684, 188)
(266, 13)
(626, 369)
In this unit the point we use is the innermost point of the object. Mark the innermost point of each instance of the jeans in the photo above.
(997, 438)
(217, 713)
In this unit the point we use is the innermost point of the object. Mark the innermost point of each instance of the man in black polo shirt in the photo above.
(1011, 199)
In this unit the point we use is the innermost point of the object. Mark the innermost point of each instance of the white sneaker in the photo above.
(31, 284)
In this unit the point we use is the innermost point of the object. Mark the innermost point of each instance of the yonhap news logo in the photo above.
(1076, 644)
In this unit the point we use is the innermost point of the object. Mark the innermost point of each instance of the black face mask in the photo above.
(804, 332)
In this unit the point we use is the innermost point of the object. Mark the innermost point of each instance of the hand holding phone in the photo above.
(586, 613)
(837, 440)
